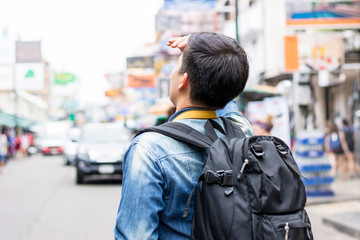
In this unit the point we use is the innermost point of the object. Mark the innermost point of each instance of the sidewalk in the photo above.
(337, 217)
(344, 191)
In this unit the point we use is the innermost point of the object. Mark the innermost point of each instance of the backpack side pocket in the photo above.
(293, 226)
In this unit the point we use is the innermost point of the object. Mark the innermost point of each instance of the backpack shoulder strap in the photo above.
(181, 132)
(232, 129)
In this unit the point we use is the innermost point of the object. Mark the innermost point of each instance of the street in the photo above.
(39, 200)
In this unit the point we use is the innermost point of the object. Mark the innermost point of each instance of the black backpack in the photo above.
(250, 187)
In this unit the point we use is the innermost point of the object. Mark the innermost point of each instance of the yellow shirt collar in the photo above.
(195, 113)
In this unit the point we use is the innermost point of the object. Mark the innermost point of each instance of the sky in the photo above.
(86, 37)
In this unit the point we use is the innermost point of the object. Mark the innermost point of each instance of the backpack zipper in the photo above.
(287, 228)
(240, 174)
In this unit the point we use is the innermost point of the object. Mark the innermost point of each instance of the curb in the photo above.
(345, 222)
(326, 200)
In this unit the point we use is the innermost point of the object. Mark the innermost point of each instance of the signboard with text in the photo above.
(29, 76)
(28, 52)
(140, 81)
(140, 62)
(64, 78)
(189, 5)
(322, 13)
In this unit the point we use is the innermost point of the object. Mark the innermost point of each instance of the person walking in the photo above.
(3, 148)
(335, 147)
(159, 171)
(348, 131)
(263, 126)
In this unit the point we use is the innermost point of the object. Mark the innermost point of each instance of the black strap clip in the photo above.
(258, 150)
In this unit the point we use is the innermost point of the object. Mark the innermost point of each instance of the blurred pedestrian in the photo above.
(159, 171)
(335, 147)
(25, 143)
(349, 130)
(18, 149)
(263, 126)
(3, 148)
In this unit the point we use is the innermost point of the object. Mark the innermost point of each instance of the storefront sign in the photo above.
(140, 62)
(29, 76)
(320, 51)
(28, 52)
(323, 13)
(64, 78)
(189, 5)
(140, 81)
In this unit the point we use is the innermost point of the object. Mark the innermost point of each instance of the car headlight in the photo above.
(82, 164)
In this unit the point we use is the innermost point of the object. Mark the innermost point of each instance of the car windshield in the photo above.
(105, 135)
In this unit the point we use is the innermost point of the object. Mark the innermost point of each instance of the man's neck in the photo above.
(181, 106)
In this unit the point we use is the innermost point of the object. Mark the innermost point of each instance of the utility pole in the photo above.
(236, 21)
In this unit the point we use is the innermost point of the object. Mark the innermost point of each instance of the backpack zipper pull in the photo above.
(287, 228)
(240, 174)
(229, 191)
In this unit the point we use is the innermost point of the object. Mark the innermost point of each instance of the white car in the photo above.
(71, 145)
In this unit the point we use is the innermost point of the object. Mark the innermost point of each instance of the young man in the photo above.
(160, 172)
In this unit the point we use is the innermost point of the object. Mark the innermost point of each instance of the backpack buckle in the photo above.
(258, 150)
(222, 177)
(281, 149)
(212, 177)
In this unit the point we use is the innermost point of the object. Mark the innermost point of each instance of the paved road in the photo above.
(39, 200)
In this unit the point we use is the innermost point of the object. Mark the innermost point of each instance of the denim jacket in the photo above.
(159, 174)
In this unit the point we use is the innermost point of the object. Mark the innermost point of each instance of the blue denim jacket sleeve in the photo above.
(141, 197)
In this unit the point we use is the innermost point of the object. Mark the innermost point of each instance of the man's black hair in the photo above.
(217, 68)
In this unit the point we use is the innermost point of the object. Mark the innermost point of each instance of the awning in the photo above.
(6, 120)
(258, 92)
(273, 81)
(11, 120)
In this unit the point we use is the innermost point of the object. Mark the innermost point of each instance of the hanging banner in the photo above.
(29, 76)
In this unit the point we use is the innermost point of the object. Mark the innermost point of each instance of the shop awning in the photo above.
(11, 120)
(258, 92)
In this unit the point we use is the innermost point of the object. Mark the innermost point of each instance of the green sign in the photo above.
(64, 78)
(30, 74)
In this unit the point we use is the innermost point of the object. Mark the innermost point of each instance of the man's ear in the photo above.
(184, 81)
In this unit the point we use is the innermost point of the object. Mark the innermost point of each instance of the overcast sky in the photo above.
(85, 37)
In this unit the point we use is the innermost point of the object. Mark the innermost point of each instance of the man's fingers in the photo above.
(180, 42)
(171, 41)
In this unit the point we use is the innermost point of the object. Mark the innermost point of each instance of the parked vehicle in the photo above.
(71, 145)
(51, 137)
(51, 145)
(101, 150)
